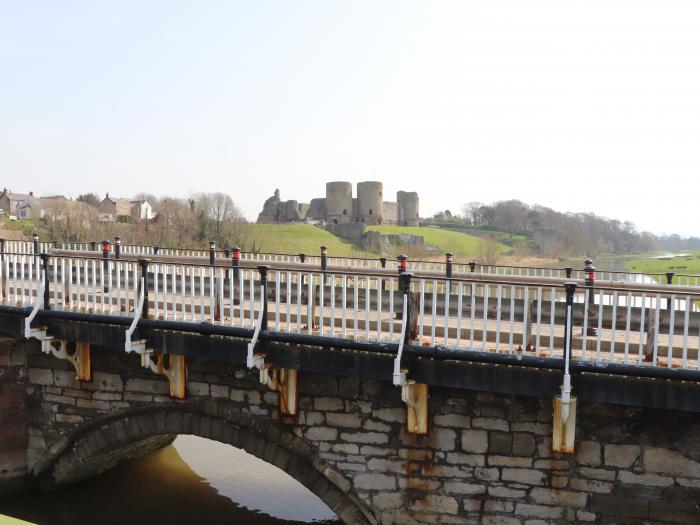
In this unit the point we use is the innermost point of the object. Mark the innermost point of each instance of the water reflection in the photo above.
(193, 481)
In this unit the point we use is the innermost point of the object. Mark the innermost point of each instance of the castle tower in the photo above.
(370, 202)
(338, 202)
(407, 203)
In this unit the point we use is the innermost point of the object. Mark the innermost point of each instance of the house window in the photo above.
(370, 211)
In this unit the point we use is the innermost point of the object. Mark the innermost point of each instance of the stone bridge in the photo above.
(486, 458)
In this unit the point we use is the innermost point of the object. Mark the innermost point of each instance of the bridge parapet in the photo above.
(487, 457)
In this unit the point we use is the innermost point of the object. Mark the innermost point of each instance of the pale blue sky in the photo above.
(578, 105)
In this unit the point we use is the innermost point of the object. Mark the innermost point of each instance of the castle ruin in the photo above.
(340, 207)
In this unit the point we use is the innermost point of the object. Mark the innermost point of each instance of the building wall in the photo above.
(408, 212)
(338, 202)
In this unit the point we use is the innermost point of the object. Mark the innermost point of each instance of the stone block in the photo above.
(588, 453)
(475, 441)
(622, 456)
(328, 404)
(538, 511)
(500, 520)
(321, 434)
(564, 498)
(376, 426)
(595, 473)
(451, 421)
(523, 444)
(41, 376)
(459, 487)
(498, 506)
(374, 482)
(365, 437)
(149, 386)
(645, 479)
(343, 420)
(591, 485)
(458, 458)
(443, 439)
(616, 506)
(387, 500)
(506, 492)
(524, 476)
(583, 515)
(490, 423)
(219, 391)
(436, 503)
(390, 415)
(500, 443)
(107, 382)
(196, 388)
(509, 461)
(686, 512)
(670, 462)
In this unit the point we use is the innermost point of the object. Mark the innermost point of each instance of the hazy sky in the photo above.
(576, 105)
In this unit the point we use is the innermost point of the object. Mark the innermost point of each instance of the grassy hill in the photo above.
(300, 238)
(445, 240)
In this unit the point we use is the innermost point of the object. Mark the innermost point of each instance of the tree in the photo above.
(89, 198)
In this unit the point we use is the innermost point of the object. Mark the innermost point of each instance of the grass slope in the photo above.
(300, 238)
(689, 264)
(445, 240)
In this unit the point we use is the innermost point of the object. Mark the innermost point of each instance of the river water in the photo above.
(193, 481)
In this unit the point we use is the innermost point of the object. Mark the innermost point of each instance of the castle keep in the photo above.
(339, 206)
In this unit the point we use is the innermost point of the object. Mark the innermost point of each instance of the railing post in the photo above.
(402, 263)
(227, 253)
(212, 253)
(2, 249)
(589, 280)
(324, 258)
(382, 261)
(93, 246)
(669, 282)
(302, 257)
(35, 240)
(55, 245)
(448, 264)
(472, 266)
(117, 248)
(156, 249)
(405, 287)
(45, 264)
(143, 265)
(105, 264)
(569, 270)
(263, 281)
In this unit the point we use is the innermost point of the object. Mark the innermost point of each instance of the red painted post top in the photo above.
(106, 246)
(236, 253)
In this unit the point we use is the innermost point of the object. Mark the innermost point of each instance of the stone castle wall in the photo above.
(486, 460)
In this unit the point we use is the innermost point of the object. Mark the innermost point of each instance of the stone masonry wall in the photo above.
(487, 458)
(13, 424)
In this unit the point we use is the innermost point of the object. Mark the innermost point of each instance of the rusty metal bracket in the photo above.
(284, 382)
(80, 359)
(175, 373)
(564, 425)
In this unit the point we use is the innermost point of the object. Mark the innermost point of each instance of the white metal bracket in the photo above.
(414, 395)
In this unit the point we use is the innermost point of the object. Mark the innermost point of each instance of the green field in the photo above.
(300, 238)
(689, 264)
(445, 240)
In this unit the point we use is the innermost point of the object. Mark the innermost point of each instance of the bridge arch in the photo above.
(94, 447)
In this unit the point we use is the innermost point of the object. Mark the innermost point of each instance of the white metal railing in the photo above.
(645, 324)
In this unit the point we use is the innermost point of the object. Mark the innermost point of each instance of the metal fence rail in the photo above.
(646, 325)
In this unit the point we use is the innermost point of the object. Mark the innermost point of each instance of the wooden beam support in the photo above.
(176, 373)
(415, 395)
(284, 382)
(564, 426)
